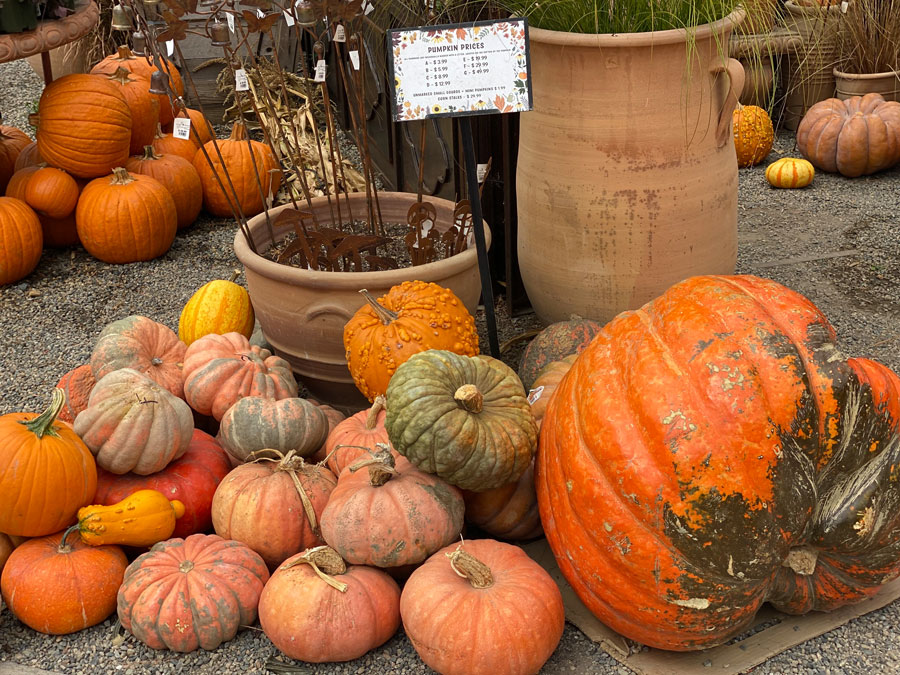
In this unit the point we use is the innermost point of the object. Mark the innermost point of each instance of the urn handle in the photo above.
(735, 72)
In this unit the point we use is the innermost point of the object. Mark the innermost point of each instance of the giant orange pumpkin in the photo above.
(46, 472)
(21, 240)
(12, 142)
(84, 125)
(126, 218)
(177, 175)
(143, 105)
(410, 318)
(712, 451)
(242, 161)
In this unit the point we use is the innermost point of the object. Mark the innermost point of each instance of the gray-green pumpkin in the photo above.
(255, 424)
(464, 418)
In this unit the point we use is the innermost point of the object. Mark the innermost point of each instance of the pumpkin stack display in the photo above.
(553, 343)
(772, 477)
(220, 306)
(855, 137)
(753, 134)
(410, 318)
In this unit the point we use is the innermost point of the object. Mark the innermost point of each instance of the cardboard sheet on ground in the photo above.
(740, 656)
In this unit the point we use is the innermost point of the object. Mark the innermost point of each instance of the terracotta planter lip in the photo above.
(894, 74)
(645, 39)
(794, 8)
(352, 281)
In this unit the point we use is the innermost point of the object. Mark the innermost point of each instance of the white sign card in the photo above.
(460, 69)
(181, 128)
(241, 82)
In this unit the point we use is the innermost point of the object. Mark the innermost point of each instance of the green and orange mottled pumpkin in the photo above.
(712, 451)
(555, 342)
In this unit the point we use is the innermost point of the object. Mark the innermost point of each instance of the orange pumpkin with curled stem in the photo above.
(411, 318)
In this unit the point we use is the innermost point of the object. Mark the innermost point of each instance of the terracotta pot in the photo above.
(302, 312)
(758, 55)
(850, 84)
(627, 174)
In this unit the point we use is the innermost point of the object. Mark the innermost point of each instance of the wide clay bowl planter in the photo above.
(848, 85)
(303, 312)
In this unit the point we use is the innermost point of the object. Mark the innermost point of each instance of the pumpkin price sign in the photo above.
(460, 70)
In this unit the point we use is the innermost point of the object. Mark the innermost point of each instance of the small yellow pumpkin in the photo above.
(753, 134)
(142, 519)
(217, 307)
(790, 172)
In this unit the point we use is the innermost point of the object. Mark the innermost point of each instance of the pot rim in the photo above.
(893, 74)
(645, 39)
(794, 8)
(353, 281)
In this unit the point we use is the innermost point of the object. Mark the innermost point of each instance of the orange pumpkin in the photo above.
(221, 369)
(356, 436)
(21, 240)
(242, 163)
(177, 175)
(126, 218)
(545, 384)
(335, 417)
(17, 183)
(200, 128)
(60, 585)
(753, 134)
(462, 591)
(144, 345)
(28, 157)
(273, 506)
(76, 385)
(391, 514)
(84, 125)
(52, 192)
(8, 544)
(167, 144)
(12, 142)
(58, 232)
(317, 609)
(412, 317)
(507, 512)
(143, 105)
(47, 472)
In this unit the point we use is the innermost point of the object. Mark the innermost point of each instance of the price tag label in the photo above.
(261, 14)
(288, 18)
(181, 128)
(844, 7)
(368, 7)
(170, 47)
(229, 18)
(535, 394)
(321, 70)
(354, 59)
(481, 172)
(241, 83)
(339, 34)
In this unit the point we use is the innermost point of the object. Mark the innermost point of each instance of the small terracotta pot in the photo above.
(848, 85)
(303, 312)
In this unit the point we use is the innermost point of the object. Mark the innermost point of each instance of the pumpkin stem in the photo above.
(121, 76)
(125, 53)
(325, 562)
(43, 423)
(381, 465)
(372, 416)
(382, 312)
(292, 464)
(150, 153)
(469, 398)
(185, 566)
(471, 568)
(34, 120)
(64, 546)
(238, 132)
(234, 276)
(802, 560)
(121, 176)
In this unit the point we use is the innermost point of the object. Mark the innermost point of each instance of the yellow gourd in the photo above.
(220, 307)
(142, 519)
(753, 134)
(790, 172)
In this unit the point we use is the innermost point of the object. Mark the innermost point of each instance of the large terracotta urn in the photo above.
(627, 173)
(302, 312)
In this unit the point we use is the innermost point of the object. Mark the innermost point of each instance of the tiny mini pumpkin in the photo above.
(790, 172)
(753, 134)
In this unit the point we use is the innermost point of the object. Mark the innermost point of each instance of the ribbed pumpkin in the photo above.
(143, 67)
(242, 163)
(464, 418)
(60, 585)
(507, 512)
(21, 240)
(410, 318)
(546, 383)
(482, 608)
(273, 506)
(336, 617)
(385, 512)
(12, 142)
(126, 218)
(191, 593)
(76, 385)
(134, 425)
(84, 125)
(8, 544)
(167, 144)
(790, 172)
(221, 369)
(59, 232)
(192, 479)
(51, 191)
(554, 343)
(753, 134)
(855, 137)
(144, 345)
(46, 472)
(219, 306)
(143, 105)
(712, 451)
(177, 175)
(356, 437)
(200, 133)
(15, 188)
(28, 157)
(262, 427)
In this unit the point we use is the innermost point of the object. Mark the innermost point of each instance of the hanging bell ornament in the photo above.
(120, 18)
(306, 14)
(218, 33)
(139, 43)
(159, 83)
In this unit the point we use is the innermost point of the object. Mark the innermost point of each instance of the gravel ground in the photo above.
(50, 321)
